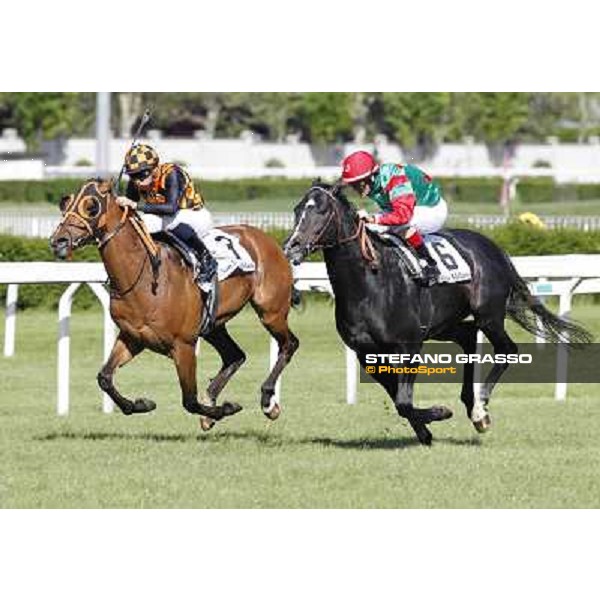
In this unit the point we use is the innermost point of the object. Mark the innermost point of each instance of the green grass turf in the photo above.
(321, 453)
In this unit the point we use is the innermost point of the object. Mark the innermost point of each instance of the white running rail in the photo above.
(562, 276)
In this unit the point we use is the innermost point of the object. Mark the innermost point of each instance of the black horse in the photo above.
(380, 308)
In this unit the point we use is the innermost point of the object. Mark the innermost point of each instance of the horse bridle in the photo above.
(74, 213)
(103, 240)
(367, 250)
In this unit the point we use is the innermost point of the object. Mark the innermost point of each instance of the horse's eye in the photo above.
(91, 208)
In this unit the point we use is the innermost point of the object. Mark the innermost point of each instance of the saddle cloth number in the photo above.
(453, 267)
(228, 252)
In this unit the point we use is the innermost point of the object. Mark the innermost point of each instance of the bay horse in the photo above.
(160, 307)
(381, 309)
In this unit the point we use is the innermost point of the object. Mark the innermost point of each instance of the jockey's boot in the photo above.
(206, 276)
(430, 272)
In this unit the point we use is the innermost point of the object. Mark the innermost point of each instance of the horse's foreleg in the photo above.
(465, 335)
(276, 324)
(418, 418)
(404, 406)
(184, 356)
(233, 358)
(123, 352)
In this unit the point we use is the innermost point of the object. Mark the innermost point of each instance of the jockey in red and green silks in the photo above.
(407, 197)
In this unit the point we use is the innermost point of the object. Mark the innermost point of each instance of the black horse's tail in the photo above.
(297, 301)
(529, 312)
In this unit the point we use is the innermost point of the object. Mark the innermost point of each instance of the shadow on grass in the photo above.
(262, 438)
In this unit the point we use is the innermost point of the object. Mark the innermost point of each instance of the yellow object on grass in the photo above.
(532, 219)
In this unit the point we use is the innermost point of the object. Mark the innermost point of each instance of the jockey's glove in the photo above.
(363, 215)
(124, 202)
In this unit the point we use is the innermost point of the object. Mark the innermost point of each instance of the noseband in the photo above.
(366, 245)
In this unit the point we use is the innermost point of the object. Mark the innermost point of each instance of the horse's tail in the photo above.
(529, 312)
(297, 300)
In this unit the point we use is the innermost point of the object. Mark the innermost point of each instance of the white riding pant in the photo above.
(430, 219)
(199, 220)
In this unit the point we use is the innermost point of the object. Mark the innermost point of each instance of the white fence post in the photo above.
(351, 377)
(562, 358)
(273, 355)
(64, 348)
(12, 296)
(109, 335)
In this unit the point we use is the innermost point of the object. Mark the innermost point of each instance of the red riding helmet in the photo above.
(358, 166)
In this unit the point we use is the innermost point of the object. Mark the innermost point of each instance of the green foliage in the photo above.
(522, 240)
(495, 117)
(327, 115)
(545, 190)
(46, 115)
(471, 191)
(416, 118)
(538, 190)
(50, 191)
(465, 191)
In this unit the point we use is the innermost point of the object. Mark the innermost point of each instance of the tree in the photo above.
(326, 116)
(45, 115)
(417, 120)
(271, 113)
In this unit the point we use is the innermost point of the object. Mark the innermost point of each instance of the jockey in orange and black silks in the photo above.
(407, 197)
(166, 196)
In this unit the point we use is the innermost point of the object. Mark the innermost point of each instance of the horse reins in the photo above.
(140, 229)
(367, 249)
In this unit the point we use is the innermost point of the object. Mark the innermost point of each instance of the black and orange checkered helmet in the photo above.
(141, 158)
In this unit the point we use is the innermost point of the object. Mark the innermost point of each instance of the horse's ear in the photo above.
(337, 187)
(64, 202)
(316, 182)
(107, 186)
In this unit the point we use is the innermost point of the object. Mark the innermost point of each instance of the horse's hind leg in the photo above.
(276, 324)
(502, 344)
(123, 352)
(233, 358)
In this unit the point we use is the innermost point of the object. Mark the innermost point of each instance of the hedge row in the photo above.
(516, 239)
(216, 191)
(457, 190)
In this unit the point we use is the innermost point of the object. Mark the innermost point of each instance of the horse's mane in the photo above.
(337, 191)
(103, 185)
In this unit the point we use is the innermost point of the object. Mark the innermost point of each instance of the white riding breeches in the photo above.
(199, 220)
(430, 219)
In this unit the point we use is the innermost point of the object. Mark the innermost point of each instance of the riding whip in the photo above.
(143, 122)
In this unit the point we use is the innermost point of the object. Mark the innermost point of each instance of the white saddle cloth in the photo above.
(229, 253)
(453, 267)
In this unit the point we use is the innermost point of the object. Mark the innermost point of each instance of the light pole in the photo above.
(102, 133)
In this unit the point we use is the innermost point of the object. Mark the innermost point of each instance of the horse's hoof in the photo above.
(484, 425)
(274, 413)
(230, 409)
(426, 440)
(142, 406)
(206, 424)
(425, 437)
(442, 413)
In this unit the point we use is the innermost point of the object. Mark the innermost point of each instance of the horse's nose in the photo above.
(295, 255)
(60, 248)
